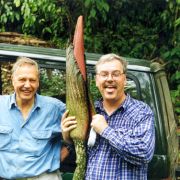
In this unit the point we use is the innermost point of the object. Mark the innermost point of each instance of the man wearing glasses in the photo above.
(124, 126)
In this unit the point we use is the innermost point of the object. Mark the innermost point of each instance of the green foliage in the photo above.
(46, 18)
(171, 52)
(173, 71)
(93, 89)
(142, 29)
(175, 94)
(172, 57)
(53, 81)
(8, 15)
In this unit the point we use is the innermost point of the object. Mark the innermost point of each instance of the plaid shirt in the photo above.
(122, 151)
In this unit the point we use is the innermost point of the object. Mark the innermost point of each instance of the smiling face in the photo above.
(25, 81)
(111, 87)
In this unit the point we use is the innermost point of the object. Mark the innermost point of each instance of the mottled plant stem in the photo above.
(80, 148)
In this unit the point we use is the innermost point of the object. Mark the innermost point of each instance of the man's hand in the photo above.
(67, 124)
(99, 123)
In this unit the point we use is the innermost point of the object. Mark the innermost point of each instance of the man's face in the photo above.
(25, 82)
(110, 80)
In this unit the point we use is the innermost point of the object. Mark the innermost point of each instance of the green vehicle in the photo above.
(146, 81)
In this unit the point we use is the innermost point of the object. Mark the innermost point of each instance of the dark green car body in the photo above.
(146, 81)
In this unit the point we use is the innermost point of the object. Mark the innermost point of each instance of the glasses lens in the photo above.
(105, 74)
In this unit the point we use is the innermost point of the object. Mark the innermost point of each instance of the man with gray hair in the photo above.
(124, 126)
(29, 128)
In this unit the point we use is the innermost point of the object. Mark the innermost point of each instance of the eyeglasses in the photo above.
(105, 74)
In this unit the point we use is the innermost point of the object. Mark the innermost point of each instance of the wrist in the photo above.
(69, 147)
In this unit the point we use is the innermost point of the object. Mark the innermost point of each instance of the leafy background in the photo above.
(146, 29)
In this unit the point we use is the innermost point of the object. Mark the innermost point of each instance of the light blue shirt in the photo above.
(29, 147)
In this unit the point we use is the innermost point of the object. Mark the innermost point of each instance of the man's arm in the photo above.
(133, 145)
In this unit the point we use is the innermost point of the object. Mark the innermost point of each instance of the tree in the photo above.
(140, 29)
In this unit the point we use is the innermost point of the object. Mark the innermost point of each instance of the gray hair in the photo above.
(24, 60)
(111, 57)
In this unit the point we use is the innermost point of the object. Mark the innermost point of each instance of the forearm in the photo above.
(67, 137)
(134, 149)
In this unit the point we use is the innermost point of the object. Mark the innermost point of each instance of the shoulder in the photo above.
(50, 101)
(6, 101)
(139, 105)
(98, 104)
(4, 98)
(139, 112)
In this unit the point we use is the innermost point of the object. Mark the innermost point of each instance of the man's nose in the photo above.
(109, 76)
(27, 83)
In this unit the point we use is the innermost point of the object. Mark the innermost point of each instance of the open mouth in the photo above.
(110, 88)
(26, 92)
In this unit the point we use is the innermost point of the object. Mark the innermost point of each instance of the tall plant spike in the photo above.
(77, 98)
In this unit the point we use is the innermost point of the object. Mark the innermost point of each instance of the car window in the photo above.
(132, 87)
(52, 83)
(143, 91)
(5, 77)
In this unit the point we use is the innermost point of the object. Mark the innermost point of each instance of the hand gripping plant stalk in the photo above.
(77, 98)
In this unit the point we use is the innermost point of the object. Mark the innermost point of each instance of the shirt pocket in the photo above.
(5, 137)
(41, 141)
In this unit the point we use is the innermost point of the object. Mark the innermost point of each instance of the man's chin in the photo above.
(109, 93)
(109, 97)
(26, 98)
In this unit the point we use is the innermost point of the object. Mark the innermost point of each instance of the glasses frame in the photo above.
(104, 75)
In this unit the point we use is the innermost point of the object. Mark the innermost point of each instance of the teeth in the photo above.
(27, 92)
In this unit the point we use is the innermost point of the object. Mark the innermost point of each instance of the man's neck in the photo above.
(25, 107)
(112, 105)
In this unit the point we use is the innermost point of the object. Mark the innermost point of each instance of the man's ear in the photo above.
(96, 79)
(38, 84)
(12, 80)
(125, 80)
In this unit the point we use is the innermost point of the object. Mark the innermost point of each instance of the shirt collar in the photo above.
(126, 102)
(38, 103)
(13, 103)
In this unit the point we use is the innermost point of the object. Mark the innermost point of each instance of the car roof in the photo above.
(53, 55)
